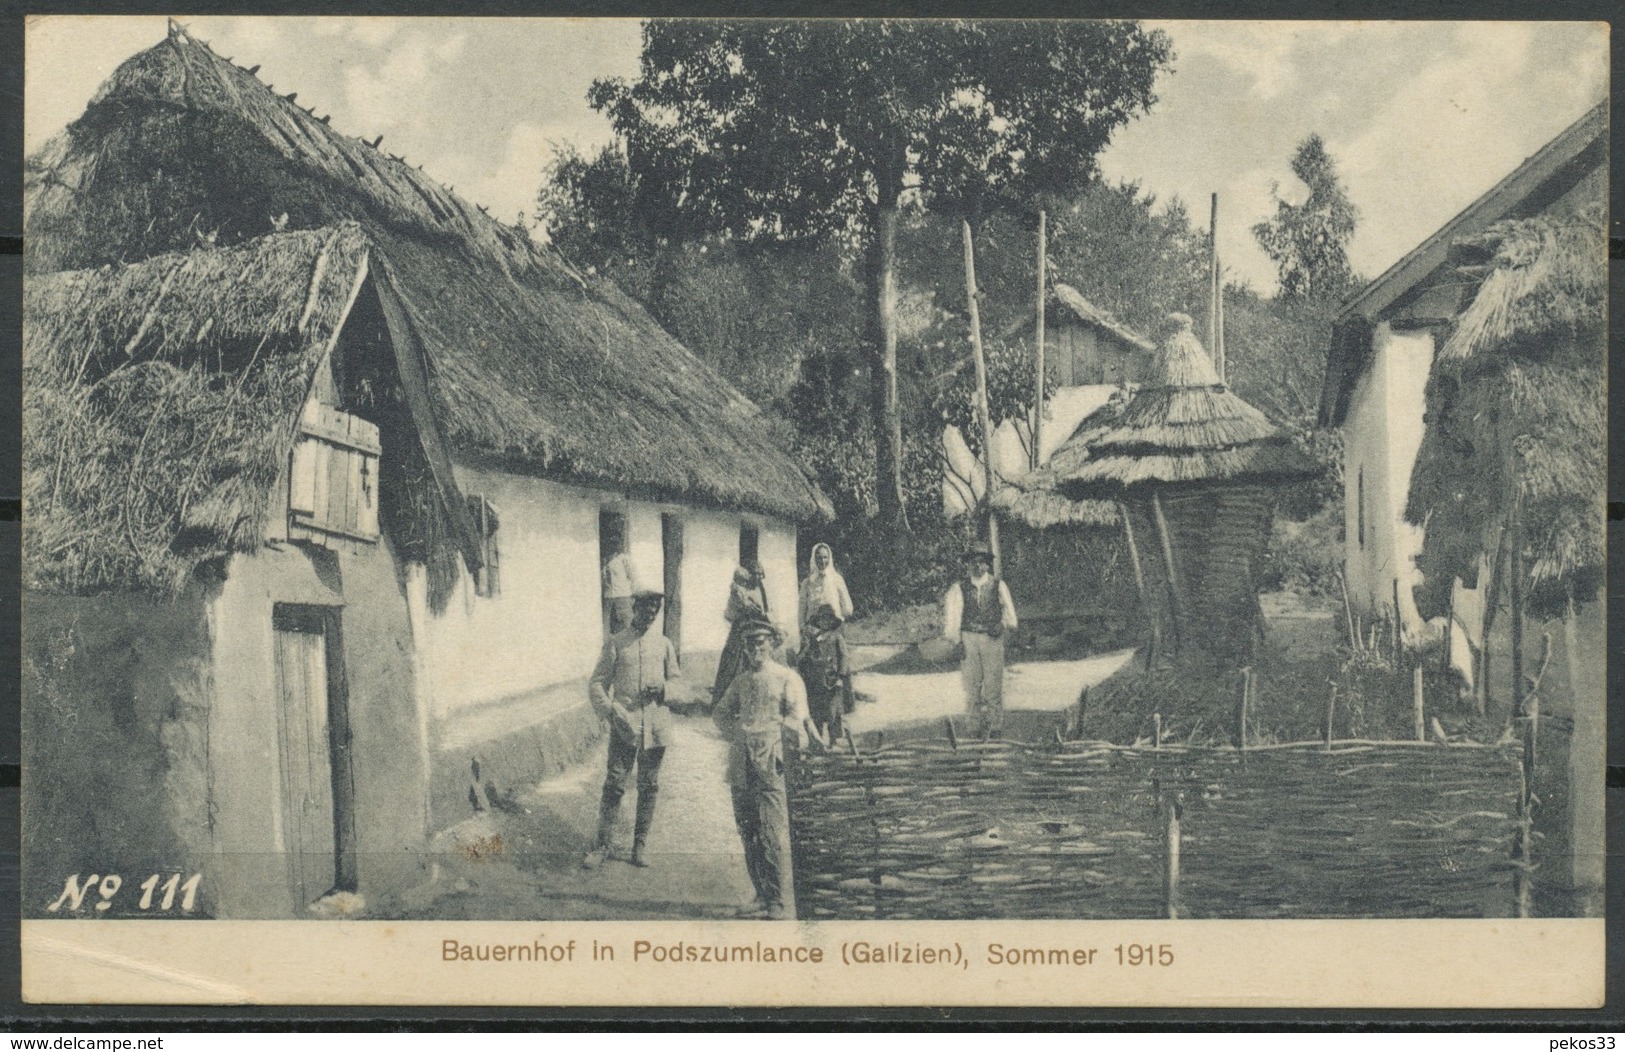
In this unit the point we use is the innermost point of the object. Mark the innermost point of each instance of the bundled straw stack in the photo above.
(1517, 415)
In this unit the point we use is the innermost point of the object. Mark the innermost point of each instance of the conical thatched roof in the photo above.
(1517, 403)
(159, 402)
(531, 365)
(1182, 428)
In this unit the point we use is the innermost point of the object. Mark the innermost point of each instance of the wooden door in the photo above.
(671, 545)
(318, 828)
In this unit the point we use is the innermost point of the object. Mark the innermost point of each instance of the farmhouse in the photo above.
(1383, 345)
(321, 464)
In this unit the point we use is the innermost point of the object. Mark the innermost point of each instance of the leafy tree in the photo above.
(1309, 242)
(789, 129)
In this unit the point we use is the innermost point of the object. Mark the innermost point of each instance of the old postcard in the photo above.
(590, 512)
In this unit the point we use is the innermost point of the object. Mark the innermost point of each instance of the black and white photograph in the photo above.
(812, 471)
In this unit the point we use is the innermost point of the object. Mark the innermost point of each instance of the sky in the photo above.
(1421, 117)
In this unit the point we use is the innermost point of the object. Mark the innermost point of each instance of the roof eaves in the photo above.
(1493, 205)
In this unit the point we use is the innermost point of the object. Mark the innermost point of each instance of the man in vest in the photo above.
(977, 612)
(765, 703)
(628, 688)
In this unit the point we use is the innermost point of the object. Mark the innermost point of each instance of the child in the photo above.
(824, 668)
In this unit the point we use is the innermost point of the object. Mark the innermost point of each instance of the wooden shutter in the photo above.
(333, 478)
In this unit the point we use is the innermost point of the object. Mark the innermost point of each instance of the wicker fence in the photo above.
(937, 830)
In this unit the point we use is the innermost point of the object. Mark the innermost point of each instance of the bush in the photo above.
(1305, 557)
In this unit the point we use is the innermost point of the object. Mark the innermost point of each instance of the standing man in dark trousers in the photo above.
(628, 688)
(763, 704)
(977, 611)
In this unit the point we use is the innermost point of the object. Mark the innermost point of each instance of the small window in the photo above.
(749, 543)
(1359, 506)
(488, 579)
(333, 478)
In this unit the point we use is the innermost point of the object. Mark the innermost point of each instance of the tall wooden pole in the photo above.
(1215, 330)
(982, 415)
(1139, 585)
(1168, 563)
(1038, 360)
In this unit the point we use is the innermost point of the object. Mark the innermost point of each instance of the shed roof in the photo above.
(1076, 304)
(532, 366)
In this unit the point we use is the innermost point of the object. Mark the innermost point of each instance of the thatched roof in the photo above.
(1074, 301)
(160, 400)
(1182, 428)
(1076, 304)
(532, 366)
(1032, 500)
(1517, 403)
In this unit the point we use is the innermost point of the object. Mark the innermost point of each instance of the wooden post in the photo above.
(1331, 709)
(1139, 583)
(1168, 561)
(1492, 602)
(1170, 886)
(1515, 593)
(1416, 703)
(953, 739)
(1246, 697)
(1213, 337)
(1399, 639)
(1156, 730)
(1348, 612)
(982, 417)
(1524, 862)
(1038, 360)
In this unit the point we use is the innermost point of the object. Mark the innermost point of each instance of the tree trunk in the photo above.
(882, 338)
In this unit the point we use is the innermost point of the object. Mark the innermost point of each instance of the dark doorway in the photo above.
(611, 534)
(749, 540)
(671, 547)
(314, 750)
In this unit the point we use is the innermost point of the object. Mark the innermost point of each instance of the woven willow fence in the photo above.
(934, 830)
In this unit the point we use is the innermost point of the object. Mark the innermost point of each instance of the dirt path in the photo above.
(533, 870)
(524, 864)
(1041, 686)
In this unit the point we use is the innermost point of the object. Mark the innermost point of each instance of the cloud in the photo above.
(386, 96)
(1455, 127)
(508, 185)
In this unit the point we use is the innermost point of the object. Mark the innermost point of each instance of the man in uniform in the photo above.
(764, 702)
(628, 688)
(977, 611)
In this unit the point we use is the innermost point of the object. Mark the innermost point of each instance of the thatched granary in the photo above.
(1192, 468)
(320, 462)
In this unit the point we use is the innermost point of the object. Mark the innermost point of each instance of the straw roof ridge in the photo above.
(1086, 311)
(160, 401)
(531, 364)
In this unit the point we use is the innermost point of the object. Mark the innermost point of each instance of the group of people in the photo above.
(758, 701)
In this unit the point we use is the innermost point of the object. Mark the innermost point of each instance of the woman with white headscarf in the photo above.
(823, 586)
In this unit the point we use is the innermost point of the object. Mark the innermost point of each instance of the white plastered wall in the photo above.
(1381, 436)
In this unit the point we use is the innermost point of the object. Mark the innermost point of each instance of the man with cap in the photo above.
(765, 702)
(977, 612)
(628, 688)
